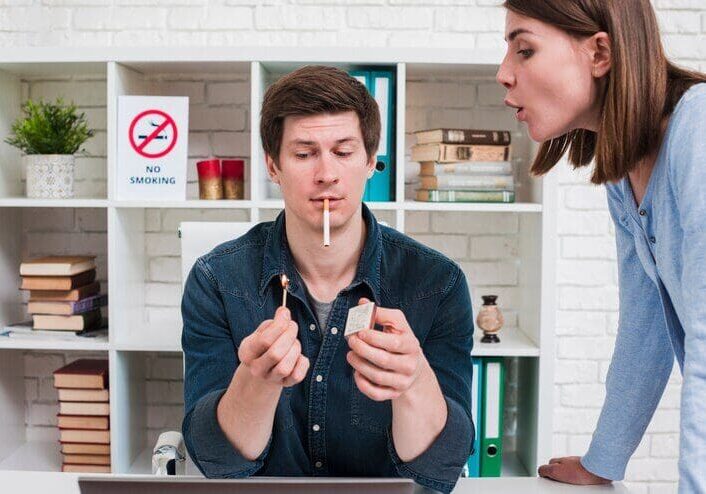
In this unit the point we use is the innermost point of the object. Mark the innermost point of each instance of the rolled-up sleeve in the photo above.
(448, 350)
(210, 360)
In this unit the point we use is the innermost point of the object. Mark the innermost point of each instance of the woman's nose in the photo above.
(504, 75)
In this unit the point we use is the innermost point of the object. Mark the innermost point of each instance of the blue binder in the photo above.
(473, 463)
(381, 85)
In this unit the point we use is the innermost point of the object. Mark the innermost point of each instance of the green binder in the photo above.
(492, 420)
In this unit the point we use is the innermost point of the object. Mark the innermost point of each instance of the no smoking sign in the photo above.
(152, 147)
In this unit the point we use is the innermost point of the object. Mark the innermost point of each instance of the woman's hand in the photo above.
(570, 470)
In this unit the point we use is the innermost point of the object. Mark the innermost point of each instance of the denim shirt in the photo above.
(324, 426)
(662, 277)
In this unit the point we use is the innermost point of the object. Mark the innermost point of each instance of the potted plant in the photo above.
(50, 134)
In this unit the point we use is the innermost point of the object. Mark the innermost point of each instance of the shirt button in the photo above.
(312, 327)
(319, 464)
(643, 212)
(334, 330)
(653, 240)
(316, 427)
(319, 378)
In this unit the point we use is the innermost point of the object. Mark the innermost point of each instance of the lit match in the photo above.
(327, 224)
(285, 284)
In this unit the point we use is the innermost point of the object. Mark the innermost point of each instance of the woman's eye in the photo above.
(526, 53)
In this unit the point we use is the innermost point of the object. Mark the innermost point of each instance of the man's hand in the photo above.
(387, 363)
(273, 352)
(570, 471)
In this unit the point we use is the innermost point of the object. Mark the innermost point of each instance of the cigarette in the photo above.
(327, 225)
(285, 284)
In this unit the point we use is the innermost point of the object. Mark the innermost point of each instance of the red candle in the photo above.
(210, 184)
(233, 172)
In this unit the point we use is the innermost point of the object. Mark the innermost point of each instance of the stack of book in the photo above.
(63, 293)
(84, 415)
(464, 165)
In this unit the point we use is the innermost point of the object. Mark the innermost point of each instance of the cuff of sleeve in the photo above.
(209, 447)
(603, 463)
(439, 467)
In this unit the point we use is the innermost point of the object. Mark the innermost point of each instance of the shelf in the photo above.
(34, 455)
(97, 343)
(512, 466)
(25, 202)
(513, 343)
(513, 207)
(187, 204)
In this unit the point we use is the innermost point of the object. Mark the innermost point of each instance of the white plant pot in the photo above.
(50, 176)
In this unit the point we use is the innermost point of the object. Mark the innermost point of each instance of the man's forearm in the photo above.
(246, 412)
(418, 416)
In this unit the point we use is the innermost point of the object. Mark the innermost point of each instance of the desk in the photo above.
(67, 483)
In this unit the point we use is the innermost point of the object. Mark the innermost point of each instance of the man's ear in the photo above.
(272, 169)
(370, 166)
(602, 56)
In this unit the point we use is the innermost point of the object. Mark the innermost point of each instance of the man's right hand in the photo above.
(570, 470)
(273, 352)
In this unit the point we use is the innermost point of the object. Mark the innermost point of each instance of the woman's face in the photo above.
(549, 77)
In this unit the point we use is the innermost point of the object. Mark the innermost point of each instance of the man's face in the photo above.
(322, 157)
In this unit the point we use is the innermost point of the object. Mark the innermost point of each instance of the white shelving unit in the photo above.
(132, 332)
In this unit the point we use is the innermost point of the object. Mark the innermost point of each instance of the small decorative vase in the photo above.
(490, 319)
(50, 176)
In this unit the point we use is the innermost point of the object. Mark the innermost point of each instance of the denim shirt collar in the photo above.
(278, 259)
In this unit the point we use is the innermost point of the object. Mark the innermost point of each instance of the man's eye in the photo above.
(302, 156)
(526, 53)
(343, 154)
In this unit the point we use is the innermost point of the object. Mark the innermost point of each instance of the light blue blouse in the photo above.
(662, 276)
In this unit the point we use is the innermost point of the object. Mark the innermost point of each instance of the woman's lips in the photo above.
(521, 114)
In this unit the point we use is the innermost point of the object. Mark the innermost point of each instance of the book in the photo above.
(84, 436)
(85, 449)
(465, 196)
(447, 153)
(58, 282)
(83, 422)
(83, 373)
(468, 182)
(66, 467)
(84, 408)
(91, 395)
(463, 136)
(68, 308)
(57, 265)
(431, 168)
(87, 459)
(79, 322)
(65, 295)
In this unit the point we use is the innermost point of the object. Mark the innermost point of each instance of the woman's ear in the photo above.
(272, 169)
(602, 54)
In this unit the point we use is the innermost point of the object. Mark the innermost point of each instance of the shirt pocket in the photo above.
(369, 415)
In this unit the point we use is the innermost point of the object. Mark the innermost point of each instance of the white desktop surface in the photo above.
(67, 483)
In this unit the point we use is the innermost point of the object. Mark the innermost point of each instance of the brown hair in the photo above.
(312, 90)
(641, 87)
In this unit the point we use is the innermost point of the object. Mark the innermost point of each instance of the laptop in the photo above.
(137, 484)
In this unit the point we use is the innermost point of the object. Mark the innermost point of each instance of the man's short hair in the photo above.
(313, 90)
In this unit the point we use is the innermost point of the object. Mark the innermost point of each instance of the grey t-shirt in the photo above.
(322, 309)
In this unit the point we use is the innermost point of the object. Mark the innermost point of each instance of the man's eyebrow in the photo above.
(345, 139)
(517, 32)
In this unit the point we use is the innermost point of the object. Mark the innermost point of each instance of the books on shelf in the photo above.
(464, 165)
(63, 293)
(24, 330)
(84, 415)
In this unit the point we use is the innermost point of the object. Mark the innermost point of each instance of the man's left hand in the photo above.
(386, 363)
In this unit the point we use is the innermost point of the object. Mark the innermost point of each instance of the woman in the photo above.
(590, 77)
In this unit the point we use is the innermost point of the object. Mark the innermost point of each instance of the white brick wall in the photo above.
(586, 314)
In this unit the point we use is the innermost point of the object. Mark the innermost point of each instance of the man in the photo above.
(280, 391)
